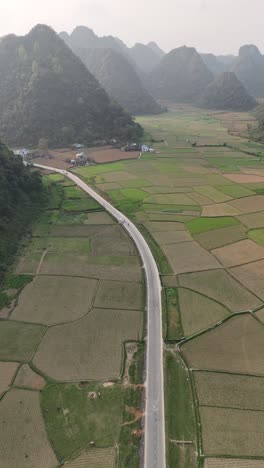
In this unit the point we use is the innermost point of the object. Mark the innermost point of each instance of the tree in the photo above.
(43, 143)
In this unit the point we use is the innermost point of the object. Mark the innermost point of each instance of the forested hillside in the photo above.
(20, 197)
(181, 76)
(119, 79)
(46, 91)
(249, 68)
(226, 92)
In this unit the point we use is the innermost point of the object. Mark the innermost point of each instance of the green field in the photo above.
(197, 226)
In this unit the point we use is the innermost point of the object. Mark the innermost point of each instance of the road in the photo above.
(154, 443)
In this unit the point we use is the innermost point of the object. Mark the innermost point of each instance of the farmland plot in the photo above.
(24, 441)
(55, 299)
(228, 431)
(70, 352)
(7, 372)
(95, 458)
(235, 346)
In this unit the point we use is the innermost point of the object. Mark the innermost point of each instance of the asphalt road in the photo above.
(154, 444)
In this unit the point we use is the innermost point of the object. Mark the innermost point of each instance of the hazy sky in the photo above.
(220, 26)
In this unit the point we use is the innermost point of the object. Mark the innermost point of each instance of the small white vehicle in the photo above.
(121, 220)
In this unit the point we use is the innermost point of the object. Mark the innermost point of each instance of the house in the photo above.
(147, 149)
(22, 152)
(131, 147)
(77, 146)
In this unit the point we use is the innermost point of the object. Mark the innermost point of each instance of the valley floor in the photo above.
(71, 338)
(199, 201)
(71, 356)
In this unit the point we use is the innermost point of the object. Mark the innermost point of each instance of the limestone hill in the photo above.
(46, 91)
(181, 76)
(228, 93)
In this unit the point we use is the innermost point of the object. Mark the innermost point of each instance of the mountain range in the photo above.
(47, 92)
(81, 87)
(118, 77)
(120, 70)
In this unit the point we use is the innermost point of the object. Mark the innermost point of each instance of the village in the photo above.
(79, 155)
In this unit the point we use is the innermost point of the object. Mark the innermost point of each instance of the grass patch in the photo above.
(4, 300)
(179, 411)
(162, 262)
(83, 204)
(74, 192)
(19, 340)
(257, 235)
(130, 436)
(17, 281)
(199, 225)
(134, 194)
(55, 194)
(137, 365)
(88, 172)
(174, 326)
(87, 419)
(48, 179)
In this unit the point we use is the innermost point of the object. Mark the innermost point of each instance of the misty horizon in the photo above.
(207, 26)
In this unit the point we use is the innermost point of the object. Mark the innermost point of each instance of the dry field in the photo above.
(153, 226)
(227, 431)
(26, 377)
(222, 287)
(18, 341)
(213, 194)
(112, 246)
(189, 256)
(57, 161)
(51, 300)
(221, 237)
(235, 346)
(249, 204)
(233, 463)
(59, 244)
(87, 231)
(220, 209)
(229, 390)
(99, 267)
(90, 348)
(23, 442)
(200, 199)
(251, 276)
(7, 373)
(260, 314)
(109, 154)
(118, 176)
(119, 295)
(99, 218)
(253, 220)
(171, 237)
(244, 178)
(94, 458)
(241, 252)
(199, 312)
(29, 264)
